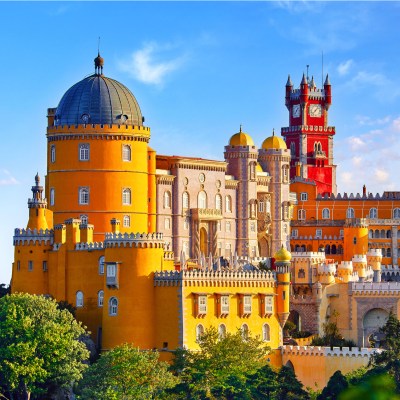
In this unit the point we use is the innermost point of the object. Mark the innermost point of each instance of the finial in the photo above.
(240, 130)
(273, 131)
(307, 73)
(98, 61)
(37, 179)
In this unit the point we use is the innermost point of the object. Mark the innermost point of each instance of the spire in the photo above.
(312, 83)
(273, 131)
(304, 79)
(327, 82)
(240, 129)
(289, 81)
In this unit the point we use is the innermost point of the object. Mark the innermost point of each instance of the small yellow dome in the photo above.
(282, 255)
(259, 168)
(274, 142)
(241, 139)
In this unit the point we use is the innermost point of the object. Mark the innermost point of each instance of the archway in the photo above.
(263, 247)
(372, 321)
(203, 241)
(295, 317)
(289, 365)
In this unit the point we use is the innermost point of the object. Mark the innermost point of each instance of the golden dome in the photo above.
(259, 168)
(274, 142)
(241, 139)
(282, 255)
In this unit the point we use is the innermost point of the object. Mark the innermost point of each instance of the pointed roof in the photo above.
(289, 81)
(304, 79)
(327, 82)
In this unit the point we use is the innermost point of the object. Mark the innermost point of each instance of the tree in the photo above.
(125, 373)
(289, 387)
(221, 366)
(389, 358)
(263, 383)
(39, 345)
(336, 384)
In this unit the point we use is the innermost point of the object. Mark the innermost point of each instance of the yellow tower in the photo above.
(282, 263)
(355, 238)
(360, 266)
(374, 259)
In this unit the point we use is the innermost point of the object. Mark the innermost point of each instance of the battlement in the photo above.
(328, 351)
(374, 253)
(89, 246)
(33, 236)
(308, 254)
(143, 240)
(345, 196)
(375, 288)
(311, 128)
(326, 269)
(98, 128)
(197, 277)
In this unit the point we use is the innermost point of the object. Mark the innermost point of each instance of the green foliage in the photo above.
(331, 337)
(4, 289)
(64, 305)
(126, 373)
(289, 387)
(39, 345)
(336, 384)
(220, 368)
(263, 384)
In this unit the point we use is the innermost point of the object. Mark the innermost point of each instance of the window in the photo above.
(167, 199)
(247, 304)
(202, 200)
(388, 252)
(228, 204)
(245, 331)
(396, 213)
(202, 304)
(167, 223)
(266, 335)
(127, 221)
(218, 202)
(252, 227)
(373, 213)
(285, 173)
(113, 306)
(186, 224)
(101, 265)
(222, 331)
(52, 196)
(225, 305)
(304, 196)
(261, 207)
(100, 298)
(44, 266)
(18, 265)
(199, 331)
(354, 240)
(295, 233)
(301, 273)
(318, 233)
(111, 270)
(30, 265)
(84, 219)
(228, 226)
(292, 149)
(269, 305)
(350, 213)
(185, 200)
(301, 214)
(326, 214)
(79, 299)
(126, 197)
(126, 152)
(84, 152)
(83, 195)
(53, 153)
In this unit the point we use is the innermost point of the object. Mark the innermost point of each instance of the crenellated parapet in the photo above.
(197, 277)
(327, 269)
(319, 351)
(89, 246)
(33, 236)
(138, 240)
(375, 288)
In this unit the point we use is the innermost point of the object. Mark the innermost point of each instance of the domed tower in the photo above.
(241, 156)
(98, 157)
(274, 158)
(282, 263)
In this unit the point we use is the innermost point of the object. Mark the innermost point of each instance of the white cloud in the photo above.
(357, 161)
(344, 67)
(381, 175)
(7, 179)
(396, 124)
(356, 142)
(145, 64)
(365, 120)
(347, 177)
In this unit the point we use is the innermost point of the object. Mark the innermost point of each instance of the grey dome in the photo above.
(98, 100)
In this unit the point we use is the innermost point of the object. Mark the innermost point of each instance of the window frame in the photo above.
(100, 298)
(79, 299)
(266, 333)
(126, 221)
(126, 196)
(84, 195)
(84, 152)
(113, 306)
(126, 153)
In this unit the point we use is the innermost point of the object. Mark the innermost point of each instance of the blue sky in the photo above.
(198, 71)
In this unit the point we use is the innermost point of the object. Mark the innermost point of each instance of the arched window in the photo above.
(53, 153)
(218, 202)
(127, 221)
(113, 306)
(383, 252)
(185, 200)
(301, 214)
(373, 213)
(370, 234)
(377, 234)
(167, 199)
(266, 334)
(126, 197)
(199, 331)
(202, 200)
(327, 249)
(285, 173)
(222, 331)
(388, 252)
(100, 298)
(101, 265)
(84, 219)
(396, 213)
(245, 331)
(79, 299)
(326, 214)
(228, 204)
(83, 195)
(126, 152)
(340, 249)
(52, 196)
(252, 170)
(388, 234)
(383, 234)
(333, 249)
(84, 152)
(350, 213)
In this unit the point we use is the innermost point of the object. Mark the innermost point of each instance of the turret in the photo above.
(326, 273)
(328, 93)
(289, 88)
(304, 90)
(37, 207)
(282, 263)
(374, 259)
(360, 266)
(355, 238)
(345, 271)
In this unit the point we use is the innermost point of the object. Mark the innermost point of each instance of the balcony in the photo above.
(209, 214)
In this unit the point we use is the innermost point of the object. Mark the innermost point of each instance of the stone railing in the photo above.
(33, 236)
(380, 288)
(206, 213)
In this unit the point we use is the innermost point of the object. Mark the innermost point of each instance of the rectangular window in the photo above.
(341, 233)
(44, 266)
(84, 152)
(269, 305)
(247, 304)
(224, 304)
(111, 270)
(261, 206)
(228, 226)
(202, 304)
(303, 196)
(53, 153)
(126, 152)
(18, 265)
(318, 233)
(83, 195)
(252, 227)
(30, 265)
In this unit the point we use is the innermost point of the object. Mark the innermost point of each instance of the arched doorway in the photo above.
(372, 321)
(203, 241)
(289, 365)
(263, 247)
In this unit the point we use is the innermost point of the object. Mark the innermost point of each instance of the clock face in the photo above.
(315, 110)
(296, 111)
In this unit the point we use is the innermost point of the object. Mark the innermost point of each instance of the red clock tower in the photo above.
(308, 136)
